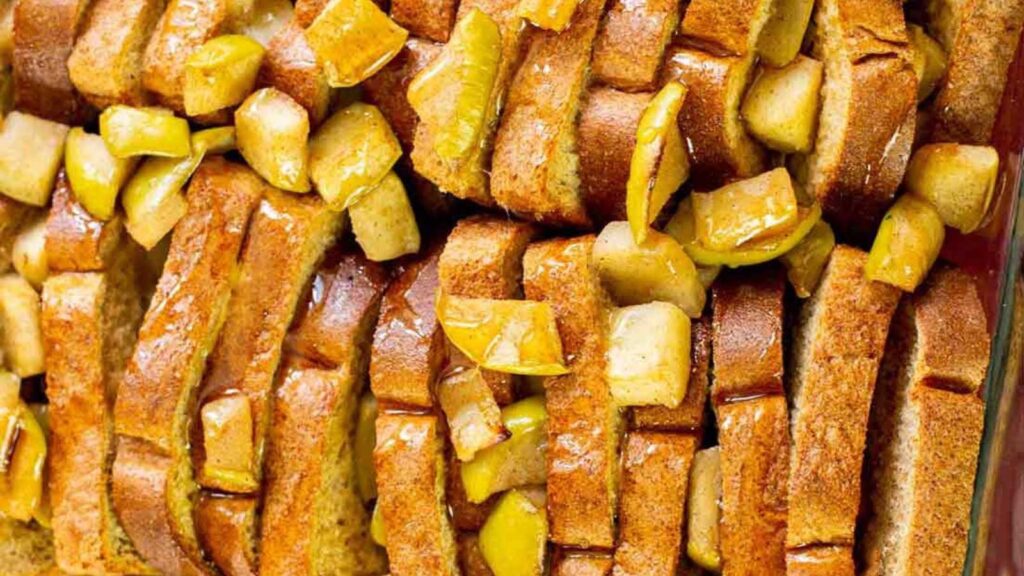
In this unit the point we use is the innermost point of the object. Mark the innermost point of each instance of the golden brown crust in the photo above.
(183, 28)
(223, 525)
(820, 561)
(387, 89)
(534, 170)
(747, 332)
(838, 345)
(409, 461)
(754, 439)
(408, 345)
(430, 19)
(290, 65)
(106, 63)
(44, 35)
(471, 560)
(726, 27)
(655, 472)
(608, 124)
(982, 49)
(307, 10)
(630, 46)
(76, 241)
(583, 421)
(581, 564)
(689, 415)
(13, 215)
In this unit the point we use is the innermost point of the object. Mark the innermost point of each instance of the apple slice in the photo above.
(272, 132)
(929, 61)
(758, 251)
(517, 461)
(959, 180)
(29, 253)
(130, 131)
(649, 355)
(21, 336)
(474, 418)
(227, 443)
(513, 540)
(383, 221)
(28, 177)
(95, 174)
(907, 244)
(353, 39)
(548, 14)
(806, 261)
(221, 73)
(745, 210)
(781, 107)
(705, 493)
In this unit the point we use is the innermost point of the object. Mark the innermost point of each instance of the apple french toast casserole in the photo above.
(494, 287)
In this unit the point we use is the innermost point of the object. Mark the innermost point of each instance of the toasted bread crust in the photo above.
(387, 89)
(12, 215)
(471, 559)
(307, 10)
(728, 27)
(820, 561)
(689, 415)
(583, 420)
(223, 526)
(483, 258)
(76, 241)
(152, 480)
(44, 35)
(838, 346)
(980, 52)
(408, 345)
(183, 28)
(581, 564)
(290, 65)
(655, 473)
(608, 124)
(106, 63)
(629, 48)
(409, 461)
(534, 169)
(430, 19)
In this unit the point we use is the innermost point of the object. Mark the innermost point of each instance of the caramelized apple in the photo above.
(474, 418)
(267, 17)
(658, 269)
(745, 210)
(549, 14)
(659, 165)
(221, 73)
(30, 153)
(781, 106)
(22, 454)
(929, 60)
(513, 540)
(783, 33)
(907, 244)
(365, 440)
(377, 531)
(517, 461)
(29, 253)
(958, 180)
(807, 260)
(705, 493)
(758, 251)
(227, 442)
(514, 336)
(649, 355)
(384, 223)
(353, 39)
(219, 140)
(95, 174)
(130, 131)
(272, 130)
(22, 337)
(452, 93)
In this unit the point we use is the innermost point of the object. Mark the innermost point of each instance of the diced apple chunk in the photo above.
(353, 39)
(517, 461)
(227, 442)
(548, 14)
(929, 60)
(513, 540)
(95, 174)
(31, 150)
(22, 335)
(781, 106)
(272, 132)
(21, 480)
(907, 244)
(29, 253)
(452, 94)
(958, 179)
(377, 530)
(659, 269)
(783, 33)
(745, 210)
(351, 153)
(219, 140)
(649, 355)
(705, 493)
(659, 165)
(267, 17)
(365, 440)
(514, 336)
(10, 401)
(130, 131)
(474, 418)
(221, 73)
(806, 261)
(384, 223)
(758, 251)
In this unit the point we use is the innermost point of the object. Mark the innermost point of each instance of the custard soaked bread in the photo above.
(927, 422)
(183, 28)
(153, 484)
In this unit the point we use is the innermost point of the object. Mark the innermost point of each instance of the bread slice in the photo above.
(152, 475)
(535, 166)
(430, 19)
(867, 116)
(469, 178)
(290, 65)
(184, 26)
(286, 240)
(753, 420)
(44, 35)
(715, 62)
(408, 344)
(837, 347)
(574, 563)
(483, 258)
(655, 473)
(927, 420)
(980, 39)
(608, 124)
(387, 89)
(820, 561)
(76, 241)
(25, 549)
(583, 420)
(409, 460)
(106, 63)
(689, 415)
(630, 45)
(471, 559)
(13, 215)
